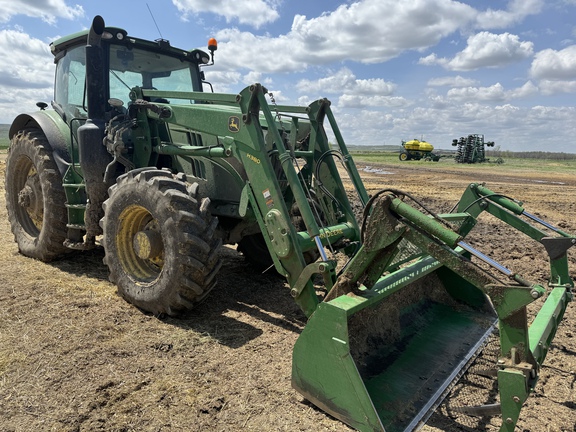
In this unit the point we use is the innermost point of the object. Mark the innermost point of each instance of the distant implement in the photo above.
(416, 150)
(471, 149)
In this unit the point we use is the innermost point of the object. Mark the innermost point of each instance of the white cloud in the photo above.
(494, 93)
(452, 81)
(553, 65)
(431, 60)
(224, 81)
(354, 92)
(24, 61)
(374, 86)
(516, 12)
(360, 101)
(26, 73)
(373, 31)
(344, 81)
(548, 87)
(368, 31)
(252, 77)
(485, 50)
(334, 83)
(528, 89)
(254, 12)
(47, 10)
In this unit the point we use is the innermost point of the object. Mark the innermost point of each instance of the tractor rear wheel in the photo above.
(160, 242)
(35, 197)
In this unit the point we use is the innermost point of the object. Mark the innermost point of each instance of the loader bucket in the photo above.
(383, 359)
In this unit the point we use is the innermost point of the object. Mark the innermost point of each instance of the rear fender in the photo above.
(56, 130)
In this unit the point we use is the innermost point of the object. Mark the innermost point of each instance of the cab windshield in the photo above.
(150, 70)
(128, 68)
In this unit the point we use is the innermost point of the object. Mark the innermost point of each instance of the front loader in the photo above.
(135, 157)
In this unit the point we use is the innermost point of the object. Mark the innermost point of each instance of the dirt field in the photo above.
(75, 357)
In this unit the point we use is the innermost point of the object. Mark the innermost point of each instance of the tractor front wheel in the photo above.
(35, 197)
(160, 243)
(404, 156)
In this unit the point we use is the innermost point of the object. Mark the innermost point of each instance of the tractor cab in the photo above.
(125, 62)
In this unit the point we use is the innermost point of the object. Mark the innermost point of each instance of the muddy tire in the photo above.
(35, 197)
(160, 243)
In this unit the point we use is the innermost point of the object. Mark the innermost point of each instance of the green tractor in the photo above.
(136, 158)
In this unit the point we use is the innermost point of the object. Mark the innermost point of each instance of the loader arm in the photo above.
(278, 174)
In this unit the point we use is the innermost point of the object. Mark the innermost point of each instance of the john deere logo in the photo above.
(234, 124)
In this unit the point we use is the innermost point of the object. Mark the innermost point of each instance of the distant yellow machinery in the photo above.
(416, 150)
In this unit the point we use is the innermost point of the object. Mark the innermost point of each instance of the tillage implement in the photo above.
(134, 156)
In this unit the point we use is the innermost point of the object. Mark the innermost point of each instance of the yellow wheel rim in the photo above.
(139, 244)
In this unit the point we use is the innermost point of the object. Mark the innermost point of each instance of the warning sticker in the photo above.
(268, 198)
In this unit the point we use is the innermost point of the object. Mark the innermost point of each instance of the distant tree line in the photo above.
(496, 152)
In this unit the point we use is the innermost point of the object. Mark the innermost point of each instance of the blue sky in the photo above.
(437, 69)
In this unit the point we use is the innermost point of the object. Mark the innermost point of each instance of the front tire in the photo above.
(160, 242)
(35, 197)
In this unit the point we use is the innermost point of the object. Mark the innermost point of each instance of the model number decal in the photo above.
(253, 158)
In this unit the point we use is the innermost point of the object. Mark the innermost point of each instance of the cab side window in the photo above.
(70, 84)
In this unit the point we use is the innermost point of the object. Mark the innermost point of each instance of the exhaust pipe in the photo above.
(95, 78)
(93, 155)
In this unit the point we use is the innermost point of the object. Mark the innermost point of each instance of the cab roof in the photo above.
(120, 36)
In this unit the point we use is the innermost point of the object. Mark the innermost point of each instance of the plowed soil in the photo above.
(76, 357)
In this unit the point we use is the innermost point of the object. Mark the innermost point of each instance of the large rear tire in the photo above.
(160, 242)
(35, 197)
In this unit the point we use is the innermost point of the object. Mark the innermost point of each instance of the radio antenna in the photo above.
(152, 15)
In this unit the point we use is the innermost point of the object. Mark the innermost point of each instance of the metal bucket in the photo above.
(383, 359)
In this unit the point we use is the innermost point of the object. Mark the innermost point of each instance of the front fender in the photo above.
(56, 130)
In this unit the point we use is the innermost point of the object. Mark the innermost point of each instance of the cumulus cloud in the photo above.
(24, 61)
(360, 101)
(555, 65)
(354, 92)
(334, 83)
(48, 10)
(485, 49)
(548, 87)
(368, 31)
(26, 73)
(452, 81)
(516, 12)
(255, 13)
(375, 31)
(378, 30)
(494, 93)
(528, 89)
(344, 81)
